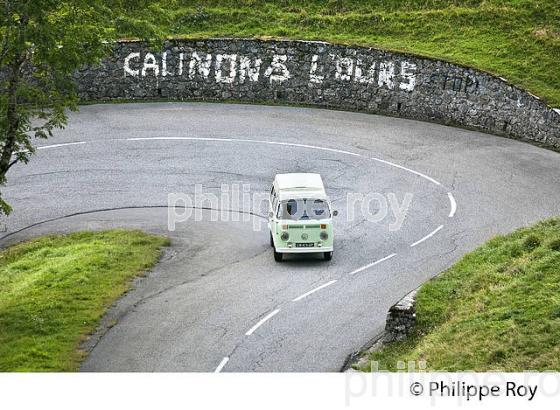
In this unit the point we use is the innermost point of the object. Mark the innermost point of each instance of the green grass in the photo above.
(516, 39)
(498, 309)
(55, 289)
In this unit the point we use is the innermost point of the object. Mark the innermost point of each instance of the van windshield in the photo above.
(303, 209)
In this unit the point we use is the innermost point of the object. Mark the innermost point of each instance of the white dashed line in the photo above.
(221, 365)
(260, 322)
(61, 145)
(373, 264)
(427, 236)
(314, 290)
(453, 205)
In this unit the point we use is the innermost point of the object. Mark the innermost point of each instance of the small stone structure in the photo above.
(401, 318)
(399, 324)
(320, 74)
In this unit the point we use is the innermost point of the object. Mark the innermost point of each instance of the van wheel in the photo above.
(327, 255)
(278, 256)
(271, 240)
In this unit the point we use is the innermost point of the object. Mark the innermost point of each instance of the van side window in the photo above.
(273, 199)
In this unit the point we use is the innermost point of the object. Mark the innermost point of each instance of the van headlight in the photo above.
(324, 236)
(285, 236)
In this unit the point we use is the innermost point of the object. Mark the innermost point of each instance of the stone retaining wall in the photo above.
(401, 318)
(321, 74)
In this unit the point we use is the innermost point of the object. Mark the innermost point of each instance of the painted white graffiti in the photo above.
(199, 65)
(231, 72)
(408, 76)
(181, 63)
(227, 67)
(150, 63)
(363, 75)
(230, 68)
(127, 69)
(249, 68)
(313, 76)
(386, 75)
(164, 64)
(344, 67)
(382, 73)
(277, 71)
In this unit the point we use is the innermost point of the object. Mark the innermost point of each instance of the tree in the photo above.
(42, 42)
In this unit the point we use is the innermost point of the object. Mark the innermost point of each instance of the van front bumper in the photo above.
(313, 249)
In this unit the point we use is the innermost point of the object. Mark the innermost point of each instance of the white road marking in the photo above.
(221, 365)
(427, 236)
(61, 145)
(314, 290)
(179, 138)
(373, 264)
(453, 205)
(260, 322)
(291, 144)
(407, 169)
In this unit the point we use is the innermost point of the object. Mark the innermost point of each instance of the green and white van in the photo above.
(300, 216)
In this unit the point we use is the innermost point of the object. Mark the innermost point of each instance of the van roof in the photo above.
(297, 181)
(300, 185)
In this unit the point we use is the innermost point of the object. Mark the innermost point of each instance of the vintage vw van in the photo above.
(300, 216)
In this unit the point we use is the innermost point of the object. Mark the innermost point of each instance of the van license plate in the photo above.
(305, 245)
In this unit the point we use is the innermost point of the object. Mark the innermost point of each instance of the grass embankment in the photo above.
(55, 289)
(516, 39)
(497, 309)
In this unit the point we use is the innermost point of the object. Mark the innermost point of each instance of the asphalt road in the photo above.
(218, 299)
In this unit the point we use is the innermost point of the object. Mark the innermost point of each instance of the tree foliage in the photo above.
(42, 42)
